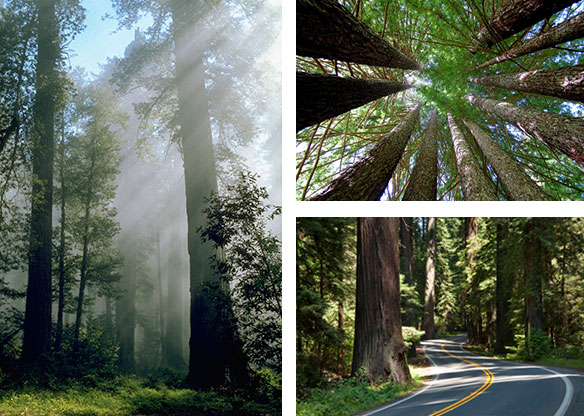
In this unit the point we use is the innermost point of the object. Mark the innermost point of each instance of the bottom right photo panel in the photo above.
(426, 316)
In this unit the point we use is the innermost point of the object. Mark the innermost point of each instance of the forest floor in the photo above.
(352, 395)
(132, 396)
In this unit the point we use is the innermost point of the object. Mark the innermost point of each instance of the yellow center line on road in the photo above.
(486, 384)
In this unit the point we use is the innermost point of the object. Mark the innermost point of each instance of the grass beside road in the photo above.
(347, 396)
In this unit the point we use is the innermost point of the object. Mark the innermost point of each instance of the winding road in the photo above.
(468, 384)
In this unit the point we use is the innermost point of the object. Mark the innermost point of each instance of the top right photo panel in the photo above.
(423, 100)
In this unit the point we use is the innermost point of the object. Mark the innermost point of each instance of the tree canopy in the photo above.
(446, 38)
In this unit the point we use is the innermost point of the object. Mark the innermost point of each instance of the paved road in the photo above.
(469, 384)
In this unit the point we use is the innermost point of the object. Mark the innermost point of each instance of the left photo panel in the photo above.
(140, 207)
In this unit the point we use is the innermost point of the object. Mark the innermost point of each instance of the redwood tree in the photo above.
(326, 29)
(37, 319)
(564, 32)
(422, 183)
(516, 182)
(560, 132)
(379, 347)
(367, 178)
(516, 16)
(475, 184)
(565, 82)
(320, 97)
(429, 294)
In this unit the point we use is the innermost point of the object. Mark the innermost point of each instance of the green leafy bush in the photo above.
(537, 347)
(348, 396)
(412, 338)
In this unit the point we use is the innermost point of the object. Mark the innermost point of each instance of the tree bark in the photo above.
(367, 178)
(407, 249)
(207, 356)
(379, 346)
(429, 299)
(562, 133)
(503, 295)
(533, 261)
(422, 185)
(564, 32)
(474, 322)
(62, 248)
(37, 318)
(320, 97)
(517, 184)
(475, 184)
(325, 29)
(565, 82)
(516, 16)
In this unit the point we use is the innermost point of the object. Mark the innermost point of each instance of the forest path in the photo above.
(468, 384)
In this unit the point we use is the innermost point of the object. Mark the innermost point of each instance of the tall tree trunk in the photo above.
(564, 32)
(474, 322)
(475, 184)
(503, 295)
(379, 347)
(163, 351)
(428, 320)
(367, 178)
(85, 250)
(516, 16)
(422, 185)
(126, 305)
(325, 29)
(62, 248)
(340, 327)
(566, 82)
(174, 316)
(207, 356)
(516, 182)
(320, 97)
(560, 132)
(37, 317)
(406, 225)
(533, 270)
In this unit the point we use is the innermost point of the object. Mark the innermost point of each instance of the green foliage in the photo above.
(412, 337)
(251, 264)
(122, 396)
(324, 293)
(92, 363)
(536, 347)
(348, 396)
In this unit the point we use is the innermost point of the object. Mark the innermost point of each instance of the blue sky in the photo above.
(101, 38)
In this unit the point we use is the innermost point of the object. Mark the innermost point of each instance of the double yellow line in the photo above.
(487, 383)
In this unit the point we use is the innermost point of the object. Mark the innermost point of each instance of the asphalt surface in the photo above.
(468, 384)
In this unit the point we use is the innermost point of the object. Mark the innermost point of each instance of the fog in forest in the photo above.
(140, 262)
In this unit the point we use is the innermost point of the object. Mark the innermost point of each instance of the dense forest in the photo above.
(439, 100)
(369, 289)
(140, 256)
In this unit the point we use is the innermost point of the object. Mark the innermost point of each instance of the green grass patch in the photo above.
(347, 396)
(132, 396)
